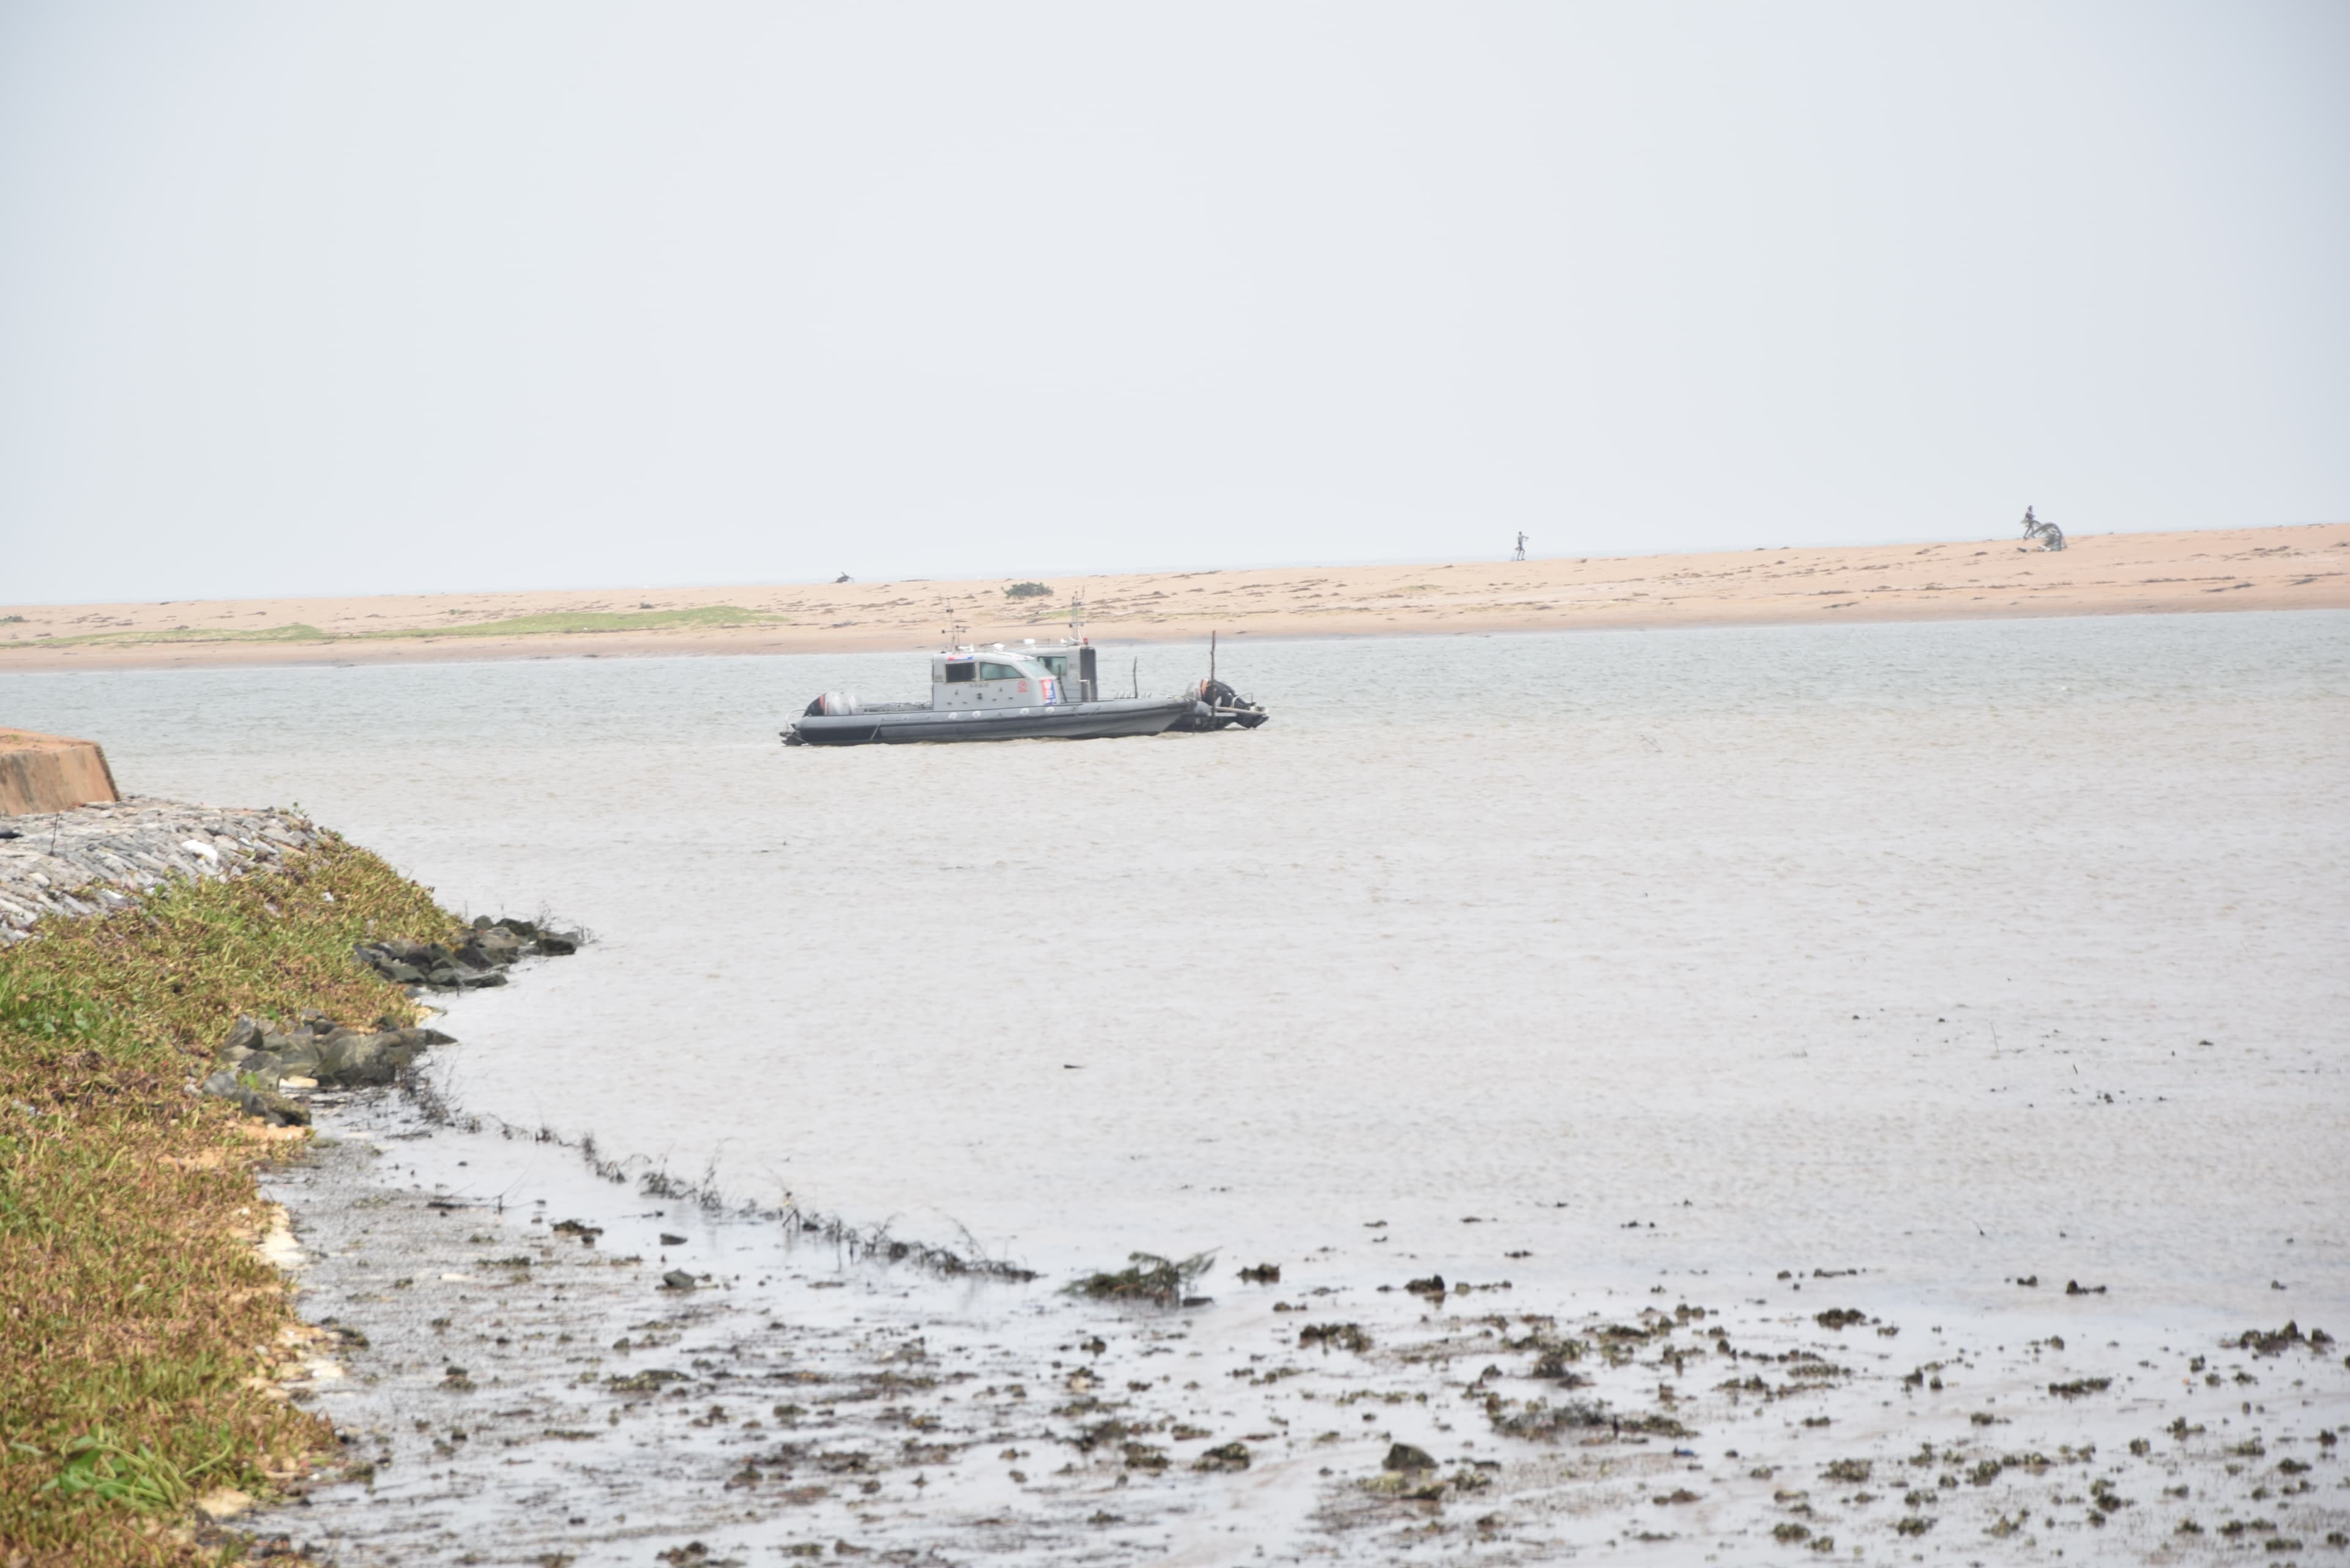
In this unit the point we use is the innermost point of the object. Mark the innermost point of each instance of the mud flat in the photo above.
(552, 1358)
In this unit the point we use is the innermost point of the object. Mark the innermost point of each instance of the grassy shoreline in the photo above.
(143, 1331)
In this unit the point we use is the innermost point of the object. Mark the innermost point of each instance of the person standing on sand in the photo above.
(1521, 547)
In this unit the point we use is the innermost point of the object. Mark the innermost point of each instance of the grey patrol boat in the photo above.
(1034, 691)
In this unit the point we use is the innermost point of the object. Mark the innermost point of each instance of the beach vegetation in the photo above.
(559, 623)
(1027, 591)
(296, 631)
(144, 1331)
(552, 624)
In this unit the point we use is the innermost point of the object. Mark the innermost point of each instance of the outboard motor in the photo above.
(1220, 706)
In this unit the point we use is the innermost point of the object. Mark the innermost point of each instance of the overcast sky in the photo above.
(334, 297)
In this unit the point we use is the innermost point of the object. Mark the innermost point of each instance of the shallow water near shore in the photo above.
(1950, 954)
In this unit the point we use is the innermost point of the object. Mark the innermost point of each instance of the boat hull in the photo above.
(1060, 722)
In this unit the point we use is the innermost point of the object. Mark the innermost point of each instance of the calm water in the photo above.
(1949, 952)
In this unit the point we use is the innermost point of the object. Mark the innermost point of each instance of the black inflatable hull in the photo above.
(1062, 721)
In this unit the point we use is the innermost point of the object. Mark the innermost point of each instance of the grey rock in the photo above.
(556, 944)
(492, 947)
(677, 1279)
(267, 1104)
(278, 1110)
(1405, 1458)
(301, 1060)
(355, 1061)
(265, 1066)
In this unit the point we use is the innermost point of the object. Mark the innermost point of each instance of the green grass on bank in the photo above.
(566, 621)
(559, 623)
(137, 1327)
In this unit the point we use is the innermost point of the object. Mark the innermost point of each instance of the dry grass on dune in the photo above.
(141, 1328)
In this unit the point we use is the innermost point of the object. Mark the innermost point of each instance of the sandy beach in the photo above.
(2301, 567)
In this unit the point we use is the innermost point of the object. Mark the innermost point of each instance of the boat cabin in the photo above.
(986, 678)
(1072, 665)
(1028, 676)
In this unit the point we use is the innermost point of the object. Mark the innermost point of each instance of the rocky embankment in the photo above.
(482, 961)
(97, 858)
(262, 1059)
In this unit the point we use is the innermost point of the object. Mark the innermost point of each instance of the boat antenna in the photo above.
(1211, 659)
(1078, 617)
(1136, 674)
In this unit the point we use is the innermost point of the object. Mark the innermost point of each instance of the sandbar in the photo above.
(2304, 566)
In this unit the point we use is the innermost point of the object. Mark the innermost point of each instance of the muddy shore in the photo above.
(546, 1359)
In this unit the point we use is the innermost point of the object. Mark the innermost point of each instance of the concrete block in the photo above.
(51, 772)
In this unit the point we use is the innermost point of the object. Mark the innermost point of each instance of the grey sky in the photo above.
(317, 297)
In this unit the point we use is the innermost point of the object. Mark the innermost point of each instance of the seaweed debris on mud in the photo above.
(1147, 1277)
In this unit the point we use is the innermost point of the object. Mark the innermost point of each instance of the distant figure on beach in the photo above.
(1521, 554)
(842, 578)
(2050, 536)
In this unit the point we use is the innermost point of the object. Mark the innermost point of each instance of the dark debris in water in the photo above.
(1147, 1277)
(2276, 1341)
(1334, 1336)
